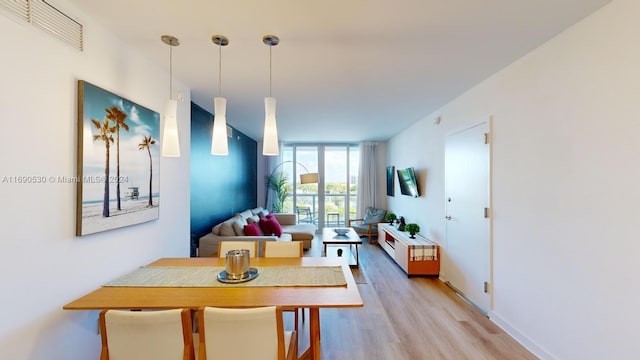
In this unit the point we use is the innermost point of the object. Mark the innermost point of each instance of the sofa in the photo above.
(233, 229)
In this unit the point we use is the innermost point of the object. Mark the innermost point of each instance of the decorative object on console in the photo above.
(401, 224)
(391, 217)
(170, 139)
(219, 144)
(412, 229)
(270, 138)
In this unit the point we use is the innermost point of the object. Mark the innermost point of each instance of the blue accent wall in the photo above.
(220, 185)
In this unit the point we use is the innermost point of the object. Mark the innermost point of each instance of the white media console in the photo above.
(418, 256)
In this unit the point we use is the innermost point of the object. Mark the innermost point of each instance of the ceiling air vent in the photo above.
(46, 17)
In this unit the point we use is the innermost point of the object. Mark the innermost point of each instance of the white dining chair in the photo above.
(224, 246)
(146, 335)
(251, 333)
(285, 249)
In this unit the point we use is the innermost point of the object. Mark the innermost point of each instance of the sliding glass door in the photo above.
(331, 201)
(306, 195)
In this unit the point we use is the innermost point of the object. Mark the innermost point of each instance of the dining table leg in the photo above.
(314, 332)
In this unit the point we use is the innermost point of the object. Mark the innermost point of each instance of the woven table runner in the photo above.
(206, 276)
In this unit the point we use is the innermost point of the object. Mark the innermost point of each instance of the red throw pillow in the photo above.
(265, 226)
(252, 230)
(274, 225)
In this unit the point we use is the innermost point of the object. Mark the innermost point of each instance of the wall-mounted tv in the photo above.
(408, 183)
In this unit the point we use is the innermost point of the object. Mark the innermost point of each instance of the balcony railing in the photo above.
(334, 211)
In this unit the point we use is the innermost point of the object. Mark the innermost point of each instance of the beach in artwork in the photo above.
(119, 161)
(133, 212)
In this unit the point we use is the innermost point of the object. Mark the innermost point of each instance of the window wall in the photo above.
(332, 201)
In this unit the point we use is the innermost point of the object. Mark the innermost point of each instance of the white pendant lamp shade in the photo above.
(270, 141)
(219, 144)
(170, 140)
(170, 146)
(219, 134)
(270, 137)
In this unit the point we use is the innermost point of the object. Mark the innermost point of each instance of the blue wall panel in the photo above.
(220, 185)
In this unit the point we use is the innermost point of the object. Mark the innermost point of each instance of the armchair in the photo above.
(368, 225)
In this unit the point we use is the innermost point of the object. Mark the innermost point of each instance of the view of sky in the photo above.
(335, 158)
(134, 163)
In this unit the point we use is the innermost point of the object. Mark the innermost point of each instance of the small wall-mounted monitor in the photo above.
(408, 183)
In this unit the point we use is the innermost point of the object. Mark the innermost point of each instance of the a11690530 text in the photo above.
(37, 179)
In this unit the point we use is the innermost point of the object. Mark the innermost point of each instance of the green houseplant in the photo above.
(278, 183)
(412, 229)
(390, 217)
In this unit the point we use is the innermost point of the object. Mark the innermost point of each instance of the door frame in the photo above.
(489, 120)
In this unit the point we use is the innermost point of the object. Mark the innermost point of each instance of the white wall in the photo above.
(42, 264)
(566, 175)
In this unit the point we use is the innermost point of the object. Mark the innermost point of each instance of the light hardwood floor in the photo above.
(407, 318)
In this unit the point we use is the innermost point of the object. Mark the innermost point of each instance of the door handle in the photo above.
(448, 217)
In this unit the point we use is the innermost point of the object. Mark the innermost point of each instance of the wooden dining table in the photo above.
(312, 297)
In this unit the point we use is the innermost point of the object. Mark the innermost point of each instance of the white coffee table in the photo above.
(346, 242)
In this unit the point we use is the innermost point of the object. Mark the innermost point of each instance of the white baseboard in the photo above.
(530, 345)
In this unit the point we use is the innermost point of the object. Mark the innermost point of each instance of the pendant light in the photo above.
(219, 144)
(270, 138)
(170, 139)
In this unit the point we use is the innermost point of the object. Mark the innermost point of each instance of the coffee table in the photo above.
(329, 237)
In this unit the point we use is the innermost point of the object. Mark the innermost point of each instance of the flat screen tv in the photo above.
(408, 183)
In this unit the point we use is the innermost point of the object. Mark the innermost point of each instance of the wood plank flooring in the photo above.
(407, 318)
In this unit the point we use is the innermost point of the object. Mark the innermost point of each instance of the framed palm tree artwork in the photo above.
(118, 161)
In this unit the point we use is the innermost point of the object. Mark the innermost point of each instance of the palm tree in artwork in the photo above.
(105, 131)
(118, 117)
(146, 143)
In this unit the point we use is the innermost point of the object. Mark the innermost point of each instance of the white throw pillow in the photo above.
(245, 214)
(238, 226)
(253, 219)
(226, 229)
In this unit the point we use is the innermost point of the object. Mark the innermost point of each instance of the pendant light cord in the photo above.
(170, 71)
(220, 70)
(270, 77)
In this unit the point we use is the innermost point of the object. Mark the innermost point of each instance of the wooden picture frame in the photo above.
(118, 161)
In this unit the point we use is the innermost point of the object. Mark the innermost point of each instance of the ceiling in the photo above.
(344, 70)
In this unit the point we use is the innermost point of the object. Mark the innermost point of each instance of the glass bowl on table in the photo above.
(341, 231)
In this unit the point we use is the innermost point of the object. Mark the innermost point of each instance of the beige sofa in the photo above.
(232, 230)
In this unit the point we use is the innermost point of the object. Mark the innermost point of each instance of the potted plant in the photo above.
(412, 229)
(390, 217)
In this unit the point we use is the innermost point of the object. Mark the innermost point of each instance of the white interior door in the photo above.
(467, 267)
